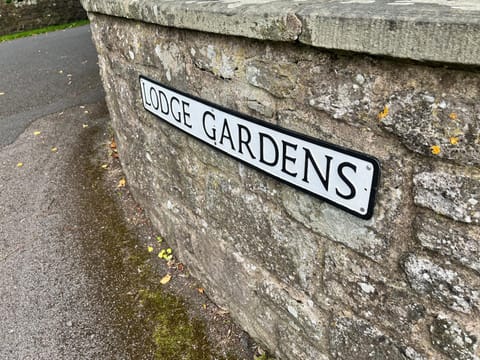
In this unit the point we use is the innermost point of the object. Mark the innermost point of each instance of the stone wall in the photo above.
(21, 15)
(305, 279)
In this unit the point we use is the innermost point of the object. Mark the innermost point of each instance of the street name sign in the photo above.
(342, 177)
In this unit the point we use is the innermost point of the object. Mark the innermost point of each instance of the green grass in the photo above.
(42, 30)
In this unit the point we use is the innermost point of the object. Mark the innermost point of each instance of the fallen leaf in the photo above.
(53, 149)
(454, 140)
(85, 126)
(201, 290)
(86, 111)
(165, 279)
(113, 144)
(104, 166)
(150, 249)
(222, 312)
(36, 133)
(204, 306)
(20, 164)
(453, 116)
(122, 183)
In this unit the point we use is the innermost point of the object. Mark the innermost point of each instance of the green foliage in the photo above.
(42, 30)
(176, 335)
(264, 356)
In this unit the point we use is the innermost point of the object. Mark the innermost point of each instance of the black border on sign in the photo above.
(374, 161)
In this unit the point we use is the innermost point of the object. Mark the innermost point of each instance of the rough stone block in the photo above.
(453, 240)
(352, 339)
(452, 340)
(443, 285)
(378, 295)
(454, 196)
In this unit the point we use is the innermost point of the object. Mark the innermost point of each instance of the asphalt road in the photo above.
(45, 74)
(65, 291)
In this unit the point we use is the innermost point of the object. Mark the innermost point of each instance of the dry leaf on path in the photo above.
(165, 279)
(122, 183)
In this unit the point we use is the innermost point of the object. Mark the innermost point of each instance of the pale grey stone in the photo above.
(334, 224)
(371, 292)
(352, 339)
(277, 79)
(444, 285)
(453, 240)
(454, 196)
(420, 122)
(452, 340)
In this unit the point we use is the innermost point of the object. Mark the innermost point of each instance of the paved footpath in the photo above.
(60, 290)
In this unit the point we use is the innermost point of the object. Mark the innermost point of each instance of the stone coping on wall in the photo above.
(446, 31)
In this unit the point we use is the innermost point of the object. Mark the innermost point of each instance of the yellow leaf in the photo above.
(122, 183)
(20, 164)
(165, 279)
(36, 133)
(435, 149)
(383, 114)
(453, 116)
(104, 166)
(201, 290)
(54, 149)
(454, 140)
(150, 249)
(85, 126)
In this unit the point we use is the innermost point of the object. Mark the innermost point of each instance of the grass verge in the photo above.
(43, 30)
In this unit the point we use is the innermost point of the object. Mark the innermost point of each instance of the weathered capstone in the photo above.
(443, 285)
(304, 278)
